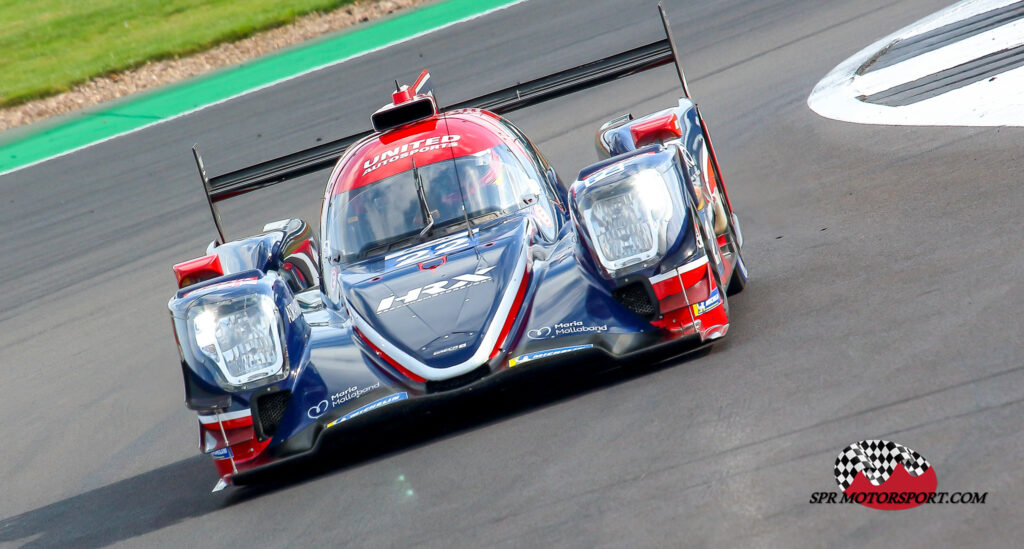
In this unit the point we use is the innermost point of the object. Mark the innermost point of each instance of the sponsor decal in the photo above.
(334, 283)
(223, 285)
(564, 329)
(318, 410)
(380, 403)
(528, 357)
(542, 216)
(293, 310)
(539, 333)
(223, 453)
(459, 282)
(339, 398)
(410, 149)
(714, 300)
(450, 349)
(577, 327)
(889, 476)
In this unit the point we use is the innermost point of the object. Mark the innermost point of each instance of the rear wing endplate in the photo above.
(324, 156)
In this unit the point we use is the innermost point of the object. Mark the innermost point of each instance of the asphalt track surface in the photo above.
(884, 303)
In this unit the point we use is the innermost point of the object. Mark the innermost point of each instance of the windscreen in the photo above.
(368, 220)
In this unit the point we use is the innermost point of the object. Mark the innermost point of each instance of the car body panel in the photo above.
(368, 337)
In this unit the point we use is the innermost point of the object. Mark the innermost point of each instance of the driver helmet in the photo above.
(477, 171)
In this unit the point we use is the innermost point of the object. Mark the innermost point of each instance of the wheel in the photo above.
(738, 281)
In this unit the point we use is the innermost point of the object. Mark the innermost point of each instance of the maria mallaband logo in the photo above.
(886, 475)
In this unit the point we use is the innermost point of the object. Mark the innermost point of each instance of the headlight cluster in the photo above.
(629, 220)
(242, 336)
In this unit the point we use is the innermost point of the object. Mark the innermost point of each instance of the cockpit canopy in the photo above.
(387, 214)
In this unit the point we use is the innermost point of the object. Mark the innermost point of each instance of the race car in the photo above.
(450, 253)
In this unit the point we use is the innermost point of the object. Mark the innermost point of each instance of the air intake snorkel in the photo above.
(408, 105)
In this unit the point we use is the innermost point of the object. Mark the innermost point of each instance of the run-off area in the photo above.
(962, 66)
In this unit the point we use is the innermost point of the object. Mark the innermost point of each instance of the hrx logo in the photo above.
(437, 288)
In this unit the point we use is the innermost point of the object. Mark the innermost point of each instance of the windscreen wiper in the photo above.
(423, 201)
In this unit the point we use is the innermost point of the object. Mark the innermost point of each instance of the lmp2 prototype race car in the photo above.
(450, 253)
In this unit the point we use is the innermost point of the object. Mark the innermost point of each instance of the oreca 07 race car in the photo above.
(452, 253)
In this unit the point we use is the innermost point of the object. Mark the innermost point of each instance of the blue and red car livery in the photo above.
(449, 253)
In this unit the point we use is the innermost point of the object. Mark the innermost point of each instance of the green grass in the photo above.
(49, 46)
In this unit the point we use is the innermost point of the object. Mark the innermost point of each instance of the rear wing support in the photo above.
(519, 96)
(209, 194)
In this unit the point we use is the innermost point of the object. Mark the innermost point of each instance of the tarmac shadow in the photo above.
(119, 511)
(500, 401)
(180, 491)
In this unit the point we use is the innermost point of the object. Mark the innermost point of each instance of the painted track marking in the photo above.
(36, 145)
(954, 86)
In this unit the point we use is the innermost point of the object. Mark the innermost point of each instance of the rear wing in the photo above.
(546, 88)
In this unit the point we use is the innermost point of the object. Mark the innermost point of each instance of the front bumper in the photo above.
(333, 428)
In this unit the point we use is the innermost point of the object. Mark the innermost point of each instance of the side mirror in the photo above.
(560, 190)
(608, 142)
(533, 192)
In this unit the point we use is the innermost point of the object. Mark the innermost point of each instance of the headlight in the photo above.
(627, 220)
(243, 337)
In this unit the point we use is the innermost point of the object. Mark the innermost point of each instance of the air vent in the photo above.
(393, 116)
(639, 298)
(269, 411)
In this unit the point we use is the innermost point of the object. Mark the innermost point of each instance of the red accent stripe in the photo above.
(667, 287)
(394, 364)
(709, 174)
(700, 291)
(248, 454)
(512, 314)
(383, 156)
(433, 263)
(235, 436)
(419, 81)
(677, 320)
(237, 423)
(401, 96)
(671, 286)
(305, 248)
(694, 276)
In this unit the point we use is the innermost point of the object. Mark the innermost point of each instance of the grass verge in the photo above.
(49, 46)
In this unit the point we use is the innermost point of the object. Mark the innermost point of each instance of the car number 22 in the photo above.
(420, 255)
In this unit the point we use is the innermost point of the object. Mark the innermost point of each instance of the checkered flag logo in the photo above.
(877, 459)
